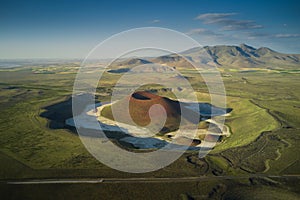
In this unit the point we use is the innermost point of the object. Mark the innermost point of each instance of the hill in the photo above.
(128, 65)
(247, 56)
(235, 57)
(222, 56)
(128, 62)
(139, 111)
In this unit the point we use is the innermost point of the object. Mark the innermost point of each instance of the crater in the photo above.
(140, 96)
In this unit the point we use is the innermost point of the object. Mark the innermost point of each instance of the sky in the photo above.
(70, 29)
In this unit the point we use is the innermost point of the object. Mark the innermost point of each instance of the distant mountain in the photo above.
(167, 59)
(223, 56)
(243, 56)
(125, 65)
(246, 56)
(132, 62)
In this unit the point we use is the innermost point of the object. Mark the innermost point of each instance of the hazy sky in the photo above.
(70, 29)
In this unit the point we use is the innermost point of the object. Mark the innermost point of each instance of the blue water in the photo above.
(13, 63)
(9, 65)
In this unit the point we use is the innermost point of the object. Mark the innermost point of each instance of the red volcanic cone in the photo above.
(144, 106)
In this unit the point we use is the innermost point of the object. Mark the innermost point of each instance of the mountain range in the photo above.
(225, 56)
(246, 56)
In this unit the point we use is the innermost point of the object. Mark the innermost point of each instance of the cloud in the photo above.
(202, 31)
(226, 23)
(255, 35)
(210, 18)
(287, 35)
(155, 21)
(230, 25)
(268, 35)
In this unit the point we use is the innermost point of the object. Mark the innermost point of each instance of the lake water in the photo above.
(4, 65)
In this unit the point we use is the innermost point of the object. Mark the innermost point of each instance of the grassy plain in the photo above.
(264, 124)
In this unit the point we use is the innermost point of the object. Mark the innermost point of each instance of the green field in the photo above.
(264, 141)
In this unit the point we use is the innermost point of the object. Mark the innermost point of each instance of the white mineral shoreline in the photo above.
(140, 135)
